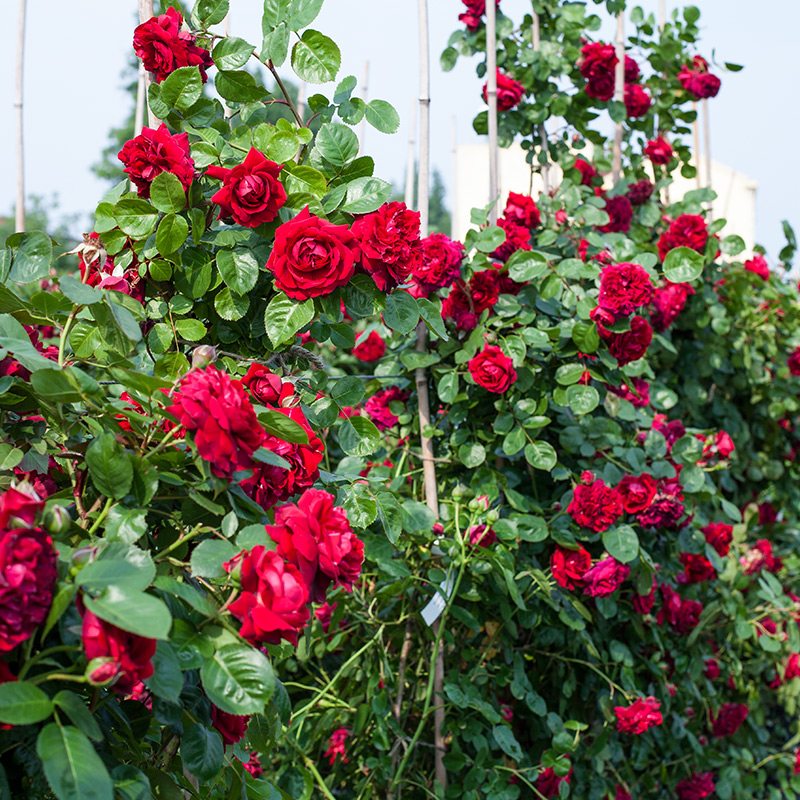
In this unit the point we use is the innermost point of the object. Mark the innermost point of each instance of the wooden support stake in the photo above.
(146, 13)
(707, 147)
(619, 96)
(696, 129)
(19, 216)
(491, 97)
(411, 164)
(364, 95)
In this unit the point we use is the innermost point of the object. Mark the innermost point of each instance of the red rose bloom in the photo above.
(569, 566)
(547, 783)
(472, 16)
(758, 265)
(659, 150)
(484, 289)
(688, 230)
(390, 245)
(218, 411)
(336, 746)
(711, 670)
(521, 209)
(666, 511)
(155, 151)
(518, 237)
(19, 507)
(620, 211)
(273, 602)
(106, 275)
(638, 717)
(719, 535)
(481, 536)
(682, 615)
(509, 92)
(698, 81)
(797, 762)
(231, 727)
(794, 362)
(597, 65)
(492, 369)
(588, 172)
(623, 288)
(164, 47)
(718, 447)
(759, 557)
(697, 568)
(316, 537)
(129, 656)
(440, 264)
(636, 493)
(595, 506)
(266, 387)
(643, 603)
(637, 394)
(311, 257)
(640, 192)
(377, 407)
(668, 302)
(605, 577)
(457, 307)
(696, 787)
(369, 348)
(630, 345)
(251, 193)
(632, 73)
(637, 101)
(729, 717)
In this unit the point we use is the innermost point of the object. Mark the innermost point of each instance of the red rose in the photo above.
(390, 245)
(492, 369)
(472, 16)
(129, 656)
(164, 47)
(605, 577)
(518, 237)
(620, 211)
(548, 783)
(659, 150)
(481, 536)
(688, 230)
(711, 670)
(639, 716)
(758, 265)
(509, 92)
(668, 302)
(98, 269)
(696, 787)
(637, 394)
(457, 307)
(484, 289)
(640, 192)
(273, 602)
(440, 264)
(251, 193)
(698, 81)
(219, 412)
(697, 568)
(666, 510)
(369, 348)
(377, 407)
(636, 493)
(587, 171)
(719, 535)
(597, 65)
(569, 566)
(760, 557)
(336, 746)
(19, 507)
(621, 794)
(316, 537)
(630, 345)
(682, 615)
(270, 484)
(311, 257)
(521, 209)
(637, 101)
(643, 603)
(595, 506)
(632, 73)
(729, 717)
(155, 151)
(231, 727)
(719, 447)
(794, 362)
(623, 288)
(266, 387)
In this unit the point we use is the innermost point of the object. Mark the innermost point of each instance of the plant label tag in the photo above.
(436, 604)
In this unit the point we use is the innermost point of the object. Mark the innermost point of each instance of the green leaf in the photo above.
(80, 293)
(682, 265)
(541, 455)
(135, 217)
(72, 767)
(33, 256)
(202, 751)
(122, 565)
(167, 679)
(132, 611)
(190, 329)
(182, 88)
(526, 266)
(238, 679)
(282, 147)
(472, 454)
(23, 703)
(382, 115)
(358, 436)
(231, 306)
(231, 53)
(209, 556)
(622, 543)
(126, 525)
(305, 180)
(582, 399)
(402, 312)
(55, 386)
(284, 317)
(239, 270)
(187, 592)
(80, 716)
(283, 427)
(490, 238)
(172, 233)
(349, 391)
(210, 12)
(239, 86)
(109, 467)
(431, 314)
(365, 195)
(275, 45)
(167, 193)
(118, 326)
(9, 456)
(507, 741)
(337, 143)
(302, 13)
(390, 515)
(15, 339)
(447, 388)
(316, 58)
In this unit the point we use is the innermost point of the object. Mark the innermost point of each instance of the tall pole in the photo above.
(491, 98)
(619, 96)
(411, 164)
(662, 14)
(454, 177)
(707, 148)
(146, 13)
(19, 222)
(138, 119)
(536, 42)
(696, 129)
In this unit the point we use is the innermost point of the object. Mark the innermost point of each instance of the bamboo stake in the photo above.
(696, 128)
(707, 147)
(138, 118)
(146, 13)
(662, 14)
(411, 164)
(227, 111)
(619, 96)
(362, 127)
(19, 221)
(491, 98)
(536, 42)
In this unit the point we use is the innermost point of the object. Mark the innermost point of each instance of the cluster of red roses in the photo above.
(697, 80)
(598, 65)
(639, 716)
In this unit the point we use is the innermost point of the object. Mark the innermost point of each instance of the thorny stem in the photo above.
(101, 516)
(62, 342)
(286, 94)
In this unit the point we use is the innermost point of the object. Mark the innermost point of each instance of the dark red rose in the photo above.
(640, 192)
(698, 81)
(492, 369)
(682, 615)
(481, 536)
(767, 514)
(274, 597)
(688, 230)
(155, 151)
(521, 209)
(588, 172)
(623, 288)
(547, 783)
(629, 345)
(671, 431)
(729, 717)
(595, 506)
(637, 101)
(620, 211)
(665, 512)
(390, 245)
(458, 307)
(440, 264)
(659, 150)
(637, 394)
(719, 535)
(758, 265)
(518, 237)
(569, 566)
(164, 47)
(475, 11)
(597, 65)
(711, 670)
(231, 727)
(266, 387)
(696, 787)
(643, 603)
(251, 193)
(668, 302)
(19, 507)
(509, 92)
(636, 493)
(129, 657)
(336, 746)
(759, 557)
(697, 568)
(377, 407)
(605, 577)
(311, 257)
(316, 537)
(369, 348)
(639, 716)
(794, 362)
(217, 409)
(484, 289)
(632, 73)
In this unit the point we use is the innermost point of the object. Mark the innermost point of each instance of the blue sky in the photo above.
(76, 53)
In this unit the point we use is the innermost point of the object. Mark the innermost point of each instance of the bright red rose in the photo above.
(217, 409)
(155, 151)
(266, 387)
(696, 787)
(484, 289)
(164, 47)
(311, 257)
(253, 765)
(316, 537)
(715, 448)
(623, 288)
(719, 535)
(637, 101)
(637, 394)
(639, 716)
(481, 536)
(630, 345)
(682, 615)
(588, 172)
(369, 348)
(643, 603)
(595, 506)
(377, 407)
(794, 362)
(458, 307)
(251, 193)
(688, 230)
(697, 568)
(569, 566)
(728, 719)
(509, 92)
(620, 211)
(636, 493)
(797, 762)
(440, 264)
(605, 577)
(668, 302)
(336, 746)
(492, 369)
(19, 507)
(521, 208)
(640, 192)
(547, 783)
(518, 237)
(758, 265)
(391, 249)
(273, 601)
(129, 656)
(659, 150)
(231, 727)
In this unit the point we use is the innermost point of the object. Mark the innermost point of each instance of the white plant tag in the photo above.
(436, 604)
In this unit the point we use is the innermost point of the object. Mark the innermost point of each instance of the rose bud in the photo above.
(82, 556)
(57, 520)
(203, 355)
(100, 671)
